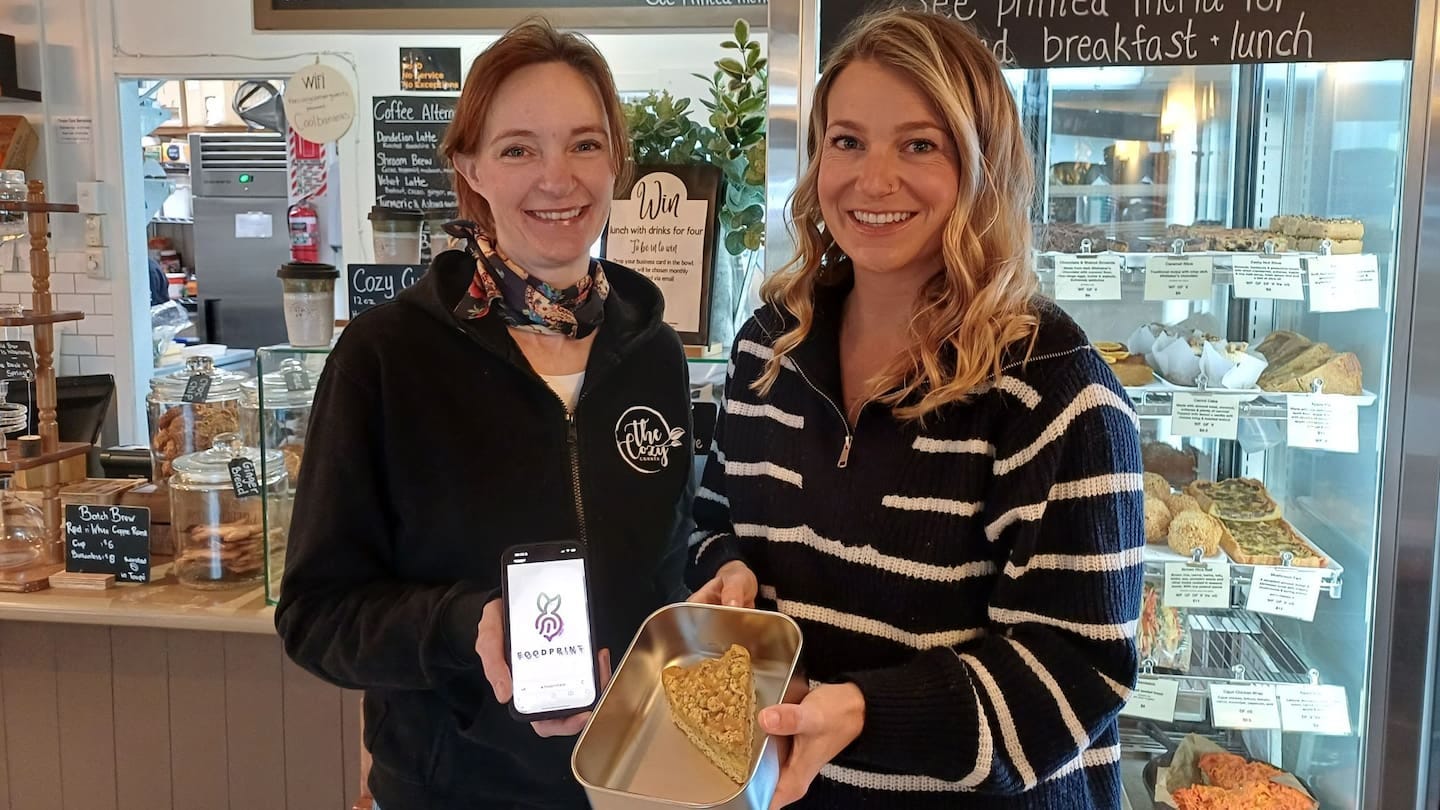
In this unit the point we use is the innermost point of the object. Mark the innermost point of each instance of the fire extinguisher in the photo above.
(304, 232)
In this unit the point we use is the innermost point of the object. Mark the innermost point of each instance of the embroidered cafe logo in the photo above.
(548, 623)
(645, 439)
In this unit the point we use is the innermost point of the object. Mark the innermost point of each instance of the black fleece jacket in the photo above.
(432, 447)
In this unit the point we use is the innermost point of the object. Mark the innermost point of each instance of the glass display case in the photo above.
(1239, 242)
(276, 406)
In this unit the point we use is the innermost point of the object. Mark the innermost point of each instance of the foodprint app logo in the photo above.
(549, 624)
(645, 439)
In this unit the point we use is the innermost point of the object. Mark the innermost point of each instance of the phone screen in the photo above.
(552, 661)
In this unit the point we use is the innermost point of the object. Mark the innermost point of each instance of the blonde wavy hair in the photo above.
(968, 315)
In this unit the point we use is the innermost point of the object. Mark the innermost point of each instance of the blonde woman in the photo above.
(925, 464)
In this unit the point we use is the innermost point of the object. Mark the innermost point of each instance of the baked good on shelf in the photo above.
(1194, 529)
(1133, 371)
(1227, 770)
(1338, 247)
(1062, 237)
(1155, 485)
(1336, 228)
(1265, 542)
(1157, 519)
(1300, 364)
(1180, 502)
(1177, 466)
(713, 703)
(1235, 499)
(1275, 342)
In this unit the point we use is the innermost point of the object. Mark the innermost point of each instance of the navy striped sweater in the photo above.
(977, 576)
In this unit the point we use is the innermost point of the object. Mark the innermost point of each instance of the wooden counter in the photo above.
(162, 604)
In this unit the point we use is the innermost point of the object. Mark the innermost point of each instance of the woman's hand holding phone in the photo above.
(734, 585)
(490, 646)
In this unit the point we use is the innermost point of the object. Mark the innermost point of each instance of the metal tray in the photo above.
(631, 755)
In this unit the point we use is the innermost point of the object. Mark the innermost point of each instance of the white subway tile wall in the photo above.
(87, 347)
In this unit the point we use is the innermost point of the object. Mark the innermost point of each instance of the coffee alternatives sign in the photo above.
(408, 169)
(1093, 33)
(666, 230)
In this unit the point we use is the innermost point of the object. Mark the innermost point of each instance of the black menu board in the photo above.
(408, 170)
(374, 284)
(108, 540)
(17, 361)
(497, 15)
(1095, 33)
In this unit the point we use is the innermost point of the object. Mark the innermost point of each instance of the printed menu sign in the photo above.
(430, 69)
(1314, 709)
(1244, 706)
(374, 284)
(1281, 591)
(1182, 278)
(1087, 278)
(1152, 699)
(1197, 585)
(1095, 33)
(1322, 422)
(1205, 415)
(665, 229)
(108, 540)
(1343, 283)
(17, 361)
(408, 169)
(1274, 277)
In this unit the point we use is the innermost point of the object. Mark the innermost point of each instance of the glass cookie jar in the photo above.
(276, 416)
(181, 423)
(220, 535)
(23, 538)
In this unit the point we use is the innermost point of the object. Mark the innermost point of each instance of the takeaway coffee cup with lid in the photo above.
(309, 300)
(397, 235)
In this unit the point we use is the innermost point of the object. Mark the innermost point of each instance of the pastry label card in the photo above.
(1275, 277)
(1087, 278)
(1343, 283)
(1197, 585)
(1323, 422)
(1179, 278)
(1206, 415)
(1244, 705)
(1285, 591)
(1152, 699)
(1314, 709)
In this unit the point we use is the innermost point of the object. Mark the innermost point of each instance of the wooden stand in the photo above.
(44, 472)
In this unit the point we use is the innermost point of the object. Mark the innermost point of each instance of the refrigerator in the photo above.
(1213, 171)
(240, 185)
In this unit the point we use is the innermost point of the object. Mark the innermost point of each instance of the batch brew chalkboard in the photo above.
(108, 540)
(374, 284)
(408, 169)
(1094, 33)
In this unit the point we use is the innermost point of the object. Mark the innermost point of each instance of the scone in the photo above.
(1156, 486)
(713, 702)
(1157, 520)
(1195, 529)
(1182, 503)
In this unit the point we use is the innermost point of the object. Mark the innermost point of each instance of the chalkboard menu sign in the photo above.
(374, 284)
(1094, 33)
(408, 170)
(498, 15)
(17, 361)
(430, 69)
(108, 540)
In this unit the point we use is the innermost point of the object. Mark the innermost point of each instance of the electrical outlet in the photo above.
(94, 230)
(90, 197)
(95, 264)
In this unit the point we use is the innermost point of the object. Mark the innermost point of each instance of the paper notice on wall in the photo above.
(78, 129)
(254, 225)
(660, 232)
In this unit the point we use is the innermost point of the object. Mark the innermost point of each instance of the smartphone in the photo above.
(548, 635)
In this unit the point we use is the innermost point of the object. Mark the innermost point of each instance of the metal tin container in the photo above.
(631, 754)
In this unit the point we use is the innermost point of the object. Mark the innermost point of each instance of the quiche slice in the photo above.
(1263, 542)
(1235, 499)
(713, 702)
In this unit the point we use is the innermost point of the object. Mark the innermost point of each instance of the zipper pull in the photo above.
(845, 452)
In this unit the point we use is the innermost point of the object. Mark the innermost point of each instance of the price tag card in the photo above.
(1197, 585)
(1276, 277)
(1087, 278)
(296, 379)
(1179, 278)
(1153, 699)
(197, 389)
(1314, 709)
(1323, 422)
(1209, 415)
(1244, 705)
(243, 478)
(1343, 283)
(1290, 592)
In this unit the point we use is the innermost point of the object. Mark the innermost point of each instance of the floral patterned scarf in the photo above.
(526, 302)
